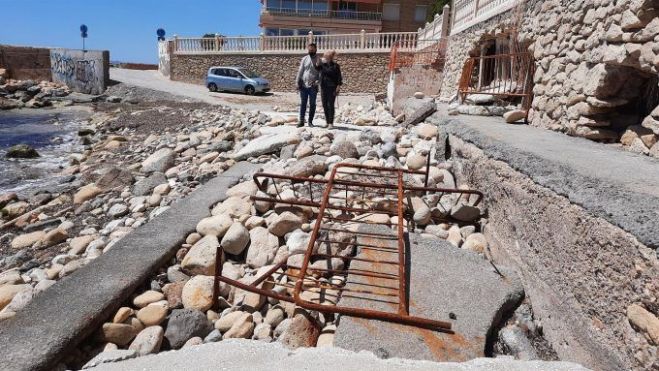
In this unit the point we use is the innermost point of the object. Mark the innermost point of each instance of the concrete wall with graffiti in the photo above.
(83, 71)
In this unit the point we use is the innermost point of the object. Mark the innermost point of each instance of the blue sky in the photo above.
(125, 27)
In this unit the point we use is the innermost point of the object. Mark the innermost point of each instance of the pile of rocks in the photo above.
(30, 94)
(374, 115)
(175, 309)
(121, 181)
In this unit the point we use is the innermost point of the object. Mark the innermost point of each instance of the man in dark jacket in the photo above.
(330, 84)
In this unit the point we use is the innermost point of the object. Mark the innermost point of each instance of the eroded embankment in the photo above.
(580, 271)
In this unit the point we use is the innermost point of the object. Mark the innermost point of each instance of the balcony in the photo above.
(329, 14)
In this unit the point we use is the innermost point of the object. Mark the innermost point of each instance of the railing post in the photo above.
(217, 42)
(362, 39)
(453, 10)
(446, 21)
(175, 43)
(262, 42)
(476, 8)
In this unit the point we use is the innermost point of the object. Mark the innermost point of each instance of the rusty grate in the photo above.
(504, 75)
(357, 246)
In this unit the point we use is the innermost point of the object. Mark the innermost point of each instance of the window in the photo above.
(391, 12)
(269, 31)
(218, 72)
(344, 5)
(288, 4)
(420, 13)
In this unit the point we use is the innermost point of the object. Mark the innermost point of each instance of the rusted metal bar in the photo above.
(347, 198)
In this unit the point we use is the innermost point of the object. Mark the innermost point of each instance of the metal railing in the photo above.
(361, 42)
(315, 13)
(507, 76)
(466, 13)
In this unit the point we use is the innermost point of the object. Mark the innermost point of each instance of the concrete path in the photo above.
(258, 356)
(55, 321)
(443, 280)
(617, 185)
(285, 101)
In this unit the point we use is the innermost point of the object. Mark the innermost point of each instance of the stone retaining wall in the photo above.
(579, 271)
(362, 73)
(25, 63)
(596, 65)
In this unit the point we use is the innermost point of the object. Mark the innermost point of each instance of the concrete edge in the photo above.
(637, 220)
(57, 320)
(238, 354)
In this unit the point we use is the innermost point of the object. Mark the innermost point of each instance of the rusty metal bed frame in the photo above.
(347, 205)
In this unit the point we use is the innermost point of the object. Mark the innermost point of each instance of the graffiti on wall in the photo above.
(81, 71)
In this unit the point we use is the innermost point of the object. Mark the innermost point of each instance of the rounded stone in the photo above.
(152, 315)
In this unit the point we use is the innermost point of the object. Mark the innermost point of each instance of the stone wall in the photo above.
(579, 271)
(596, 66)
(25, 63)
(409, 80)
(362, 73)
(83, 71)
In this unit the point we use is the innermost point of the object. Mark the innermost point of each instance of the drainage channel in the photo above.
(298, 259)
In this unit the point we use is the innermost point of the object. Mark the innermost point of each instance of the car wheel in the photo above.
(249, 89)
(212, 87)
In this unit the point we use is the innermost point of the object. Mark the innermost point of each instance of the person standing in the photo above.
(307, 84)
(330, 84)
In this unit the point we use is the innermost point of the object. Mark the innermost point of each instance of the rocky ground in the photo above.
(145, 150)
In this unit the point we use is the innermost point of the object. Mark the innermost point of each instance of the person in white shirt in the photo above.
(307, 84)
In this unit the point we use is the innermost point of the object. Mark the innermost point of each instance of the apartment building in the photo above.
(298, 17)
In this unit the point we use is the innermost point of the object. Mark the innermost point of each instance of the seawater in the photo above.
(52, 132)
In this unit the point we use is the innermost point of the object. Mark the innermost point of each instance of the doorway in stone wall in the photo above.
(498, 76)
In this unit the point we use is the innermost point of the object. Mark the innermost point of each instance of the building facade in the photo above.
(298, 17)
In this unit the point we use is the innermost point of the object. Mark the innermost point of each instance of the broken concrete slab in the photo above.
(444, 282)
(237, 354)
(417, 110)
(70, 311)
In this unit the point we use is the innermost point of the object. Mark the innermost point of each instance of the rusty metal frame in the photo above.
(377, 181)
(519, 66)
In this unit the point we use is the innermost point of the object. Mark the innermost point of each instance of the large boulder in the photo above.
(308, 166)
(159, 161)
(344, 149)
(148, 341)
(234, 206)
(198, 293)
(266, 144)
(185, 324)
(201, 257)
(417, 110)
(22, 151)
(236, 239)
(284, 223)
(263, 247)
(146, 185)
(114, 178)
(302, 332)
(215, 225)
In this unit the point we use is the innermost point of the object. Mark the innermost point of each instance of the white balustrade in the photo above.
(435, 30)
(357, 43)
(467, 13)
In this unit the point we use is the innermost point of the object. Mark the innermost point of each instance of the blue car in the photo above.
(236, 79)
